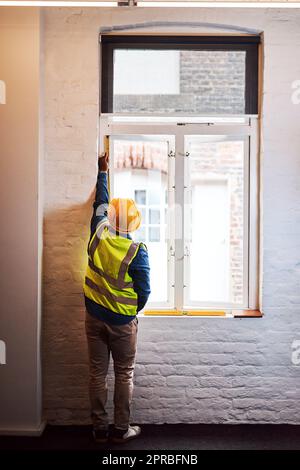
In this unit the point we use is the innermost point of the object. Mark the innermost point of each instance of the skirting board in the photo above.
(24, 431)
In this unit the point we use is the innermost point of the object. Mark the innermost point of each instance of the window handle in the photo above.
(186, 253)
(184, 154)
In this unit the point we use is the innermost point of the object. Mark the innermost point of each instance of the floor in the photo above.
(167, 437)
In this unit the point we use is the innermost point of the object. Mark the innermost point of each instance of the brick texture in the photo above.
(188, 369)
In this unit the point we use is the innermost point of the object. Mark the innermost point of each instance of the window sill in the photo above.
(234, 313)
(247, 313)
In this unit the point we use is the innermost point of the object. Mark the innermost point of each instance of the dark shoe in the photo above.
(100, 436)
(121, 436)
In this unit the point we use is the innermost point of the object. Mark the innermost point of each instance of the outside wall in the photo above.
(188, 369)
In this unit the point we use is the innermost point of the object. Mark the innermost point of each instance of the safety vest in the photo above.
(107, 280)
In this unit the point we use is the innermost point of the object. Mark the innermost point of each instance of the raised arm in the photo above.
(102, 195)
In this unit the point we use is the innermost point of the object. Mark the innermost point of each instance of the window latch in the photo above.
(171, 154)
(186, 251)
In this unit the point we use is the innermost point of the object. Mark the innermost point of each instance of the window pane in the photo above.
(215, 266)
(140, 234)
(143, 163)
(154, 234)
(154, 196)
(140, 196)
(154, 216)
(191, 81)
(146, 72)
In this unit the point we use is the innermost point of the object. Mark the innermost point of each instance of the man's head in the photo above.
(123, 215)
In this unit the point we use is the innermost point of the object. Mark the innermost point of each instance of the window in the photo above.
(195, 75)
(194, 177)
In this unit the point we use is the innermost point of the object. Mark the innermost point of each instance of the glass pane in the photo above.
(140, 234)
(189, 81)
(154, 216)
(154, 234)
(154, 196)
(146, 72)
(217, 220)
(140, 196)
(140, 170)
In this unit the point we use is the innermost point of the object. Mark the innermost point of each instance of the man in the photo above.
(117, 286)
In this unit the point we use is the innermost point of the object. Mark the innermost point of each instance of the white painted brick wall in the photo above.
(189, 370)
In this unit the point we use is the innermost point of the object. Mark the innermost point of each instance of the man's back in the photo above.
(138, 267)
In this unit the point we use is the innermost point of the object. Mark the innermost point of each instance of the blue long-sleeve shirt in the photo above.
(139, 268)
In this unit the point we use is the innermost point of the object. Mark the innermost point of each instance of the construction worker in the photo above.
(117, 286)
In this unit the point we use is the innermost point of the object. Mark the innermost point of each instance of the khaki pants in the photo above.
(120, 340)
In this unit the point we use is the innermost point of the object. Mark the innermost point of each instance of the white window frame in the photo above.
(244, 127)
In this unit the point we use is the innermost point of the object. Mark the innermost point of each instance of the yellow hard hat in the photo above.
(123, 215)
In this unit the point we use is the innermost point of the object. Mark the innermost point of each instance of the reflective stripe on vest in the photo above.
(107, 281)
(111, 296)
